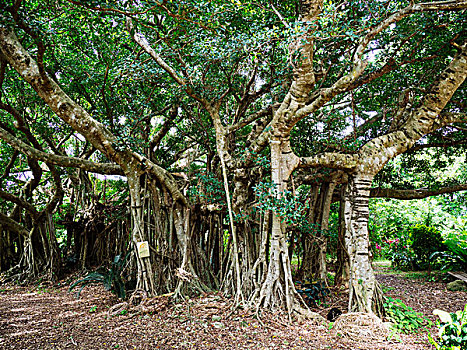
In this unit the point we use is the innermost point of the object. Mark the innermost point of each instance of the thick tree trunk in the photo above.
(365, 293)
(145, 276)
(278, 289)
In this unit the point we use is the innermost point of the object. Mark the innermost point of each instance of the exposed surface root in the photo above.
(139, 303)
(118, 309)
(361, 326)
(303, 314)
(138, 297)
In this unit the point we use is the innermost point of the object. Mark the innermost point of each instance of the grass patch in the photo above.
(433, 276)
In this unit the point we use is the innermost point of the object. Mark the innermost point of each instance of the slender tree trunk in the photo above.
(365, 293)
(343, 268)
(54, 259)
(324, 227)
(315, 246)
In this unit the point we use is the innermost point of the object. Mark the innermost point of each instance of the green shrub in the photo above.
(110, 278)
(313, 293)
(455, 255)
(452, 330)
(403, 317)
(426, 240)
(400, 253)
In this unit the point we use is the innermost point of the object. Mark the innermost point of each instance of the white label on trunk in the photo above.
(143, 249)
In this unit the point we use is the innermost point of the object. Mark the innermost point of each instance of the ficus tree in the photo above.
(256, 92)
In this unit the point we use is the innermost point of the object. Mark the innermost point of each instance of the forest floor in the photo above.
(44, 316)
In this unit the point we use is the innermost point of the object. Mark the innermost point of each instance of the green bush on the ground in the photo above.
(403, 317)
(426, 240)
(110, 278)
(454, 254)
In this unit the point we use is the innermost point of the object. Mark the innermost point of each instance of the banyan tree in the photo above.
(215, 115)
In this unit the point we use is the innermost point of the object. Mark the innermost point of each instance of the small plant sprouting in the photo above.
(93, 309)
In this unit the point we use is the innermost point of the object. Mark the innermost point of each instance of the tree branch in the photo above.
(71, 162)
(12, 225)
(330, 160)
(144, 44)
(21, 202)
(414, 194)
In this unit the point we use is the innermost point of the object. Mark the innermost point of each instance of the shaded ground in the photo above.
(48, 317)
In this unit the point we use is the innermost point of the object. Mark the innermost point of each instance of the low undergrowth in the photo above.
(403, 318)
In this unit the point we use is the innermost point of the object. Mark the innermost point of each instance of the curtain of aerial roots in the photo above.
(258, 272)
(249, 242)
(97, 228)
(54, 261)
(252, 244)
(199, 250)
(365, 293)
(186, 243)
(8, 256)
(144, 274)
(314, 241)
(35, 255)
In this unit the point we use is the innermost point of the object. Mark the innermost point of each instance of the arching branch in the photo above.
(12, 225)
(71, 162)
(21, 202)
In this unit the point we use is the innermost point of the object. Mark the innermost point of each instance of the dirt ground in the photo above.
(49, 317)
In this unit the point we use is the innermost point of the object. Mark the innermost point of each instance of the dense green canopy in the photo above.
(236, 125)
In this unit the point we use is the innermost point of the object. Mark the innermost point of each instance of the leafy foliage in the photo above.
(208, 189)
(426, 240)
(455, 255)
(288, 205)
(452, 330)
(110, 278)
(403, 317)
(400, 253)
(313, 293)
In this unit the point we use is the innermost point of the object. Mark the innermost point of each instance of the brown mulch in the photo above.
(48, 317)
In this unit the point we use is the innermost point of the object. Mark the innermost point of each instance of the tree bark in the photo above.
(145, 276)
(343, 268)
(365, 293)
(278, 289)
